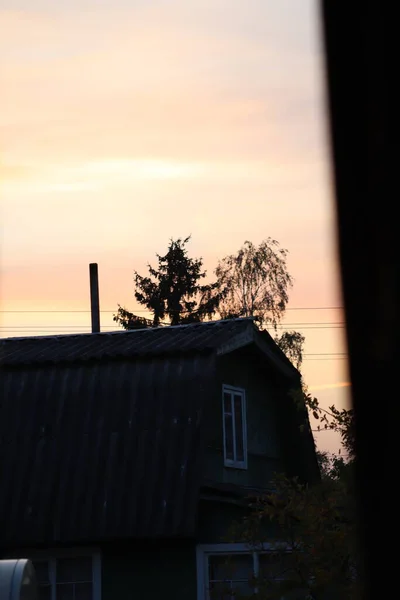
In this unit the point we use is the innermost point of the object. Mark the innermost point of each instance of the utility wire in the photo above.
(82, 326)
(145, 311)
(52, 329)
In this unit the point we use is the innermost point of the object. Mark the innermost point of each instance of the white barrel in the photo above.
(17, 580)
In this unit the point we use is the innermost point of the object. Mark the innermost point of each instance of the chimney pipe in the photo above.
(94, 297)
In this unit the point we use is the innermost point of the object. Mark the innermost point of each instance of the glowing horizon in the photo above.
(128, 124)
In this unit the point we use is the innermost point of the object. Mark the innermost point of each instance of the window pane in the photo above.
(233, 590)
(74, 591)
(65, 591)
(243, 589)
(227, 403)
(42, 571)
(221, 591)
(44, 592)
(83, 591)
(228, 567)
(229, 437)
(74, 569)
(230, 590)
(230, 576)
(237, 401)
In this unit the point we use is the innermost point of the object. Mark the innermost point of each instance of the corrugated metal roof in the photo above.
(140, 342)
(100, 434)
(101, 450)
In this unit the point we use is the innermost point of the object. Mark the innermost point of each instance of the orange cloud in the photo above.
(124, 126)
(135, 83)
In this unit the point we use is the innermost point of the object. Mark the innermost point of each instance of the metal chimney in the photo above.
(94, 297)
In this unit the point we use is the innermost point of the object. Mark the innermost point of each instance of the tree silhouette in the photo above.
(255, 282)
(172, 291)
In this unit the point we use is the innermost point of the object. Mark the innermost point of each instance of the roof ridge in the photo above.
(125, 331)
(220, 336)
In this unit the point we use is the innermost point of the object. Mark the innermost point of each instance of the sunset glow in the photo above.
(127, 123)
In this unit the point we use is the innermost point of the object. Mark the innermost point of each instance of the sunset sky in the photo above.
(129, 122)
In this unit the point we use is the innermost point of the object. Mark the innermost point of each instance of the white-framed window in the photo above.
(234, 427)
(68, 574)
(233, 571)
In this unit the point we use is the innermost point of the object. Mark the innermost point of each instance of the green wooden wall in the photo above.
(264, 440)
(217, 518)
(149, 572)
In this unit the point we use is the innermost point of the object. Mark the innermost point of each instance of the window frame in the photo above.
(232, 390)
(52, 555)
(203, 551)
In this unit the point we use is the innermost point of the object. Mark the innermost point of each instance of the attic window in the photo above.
(234, 427)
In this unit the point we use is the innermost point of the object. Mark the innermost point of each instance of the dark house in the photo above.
(124, 457)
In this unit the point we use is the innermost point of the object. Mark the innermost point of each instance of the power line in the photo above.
(324, 359)
(307, 356)
(111, 328)
(294, 324)
(146, 311)
(55, 328)
(81, 325)
(302, 325)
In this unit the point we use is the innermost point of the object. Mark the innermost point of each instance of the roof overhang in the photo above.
(265, 345)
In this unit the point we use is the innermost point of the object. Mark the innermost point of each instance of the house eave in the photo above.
(252, 336)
